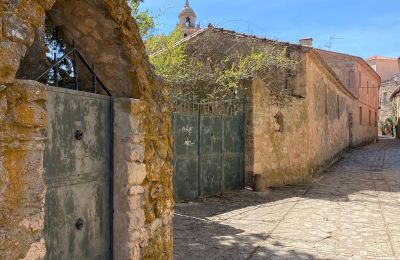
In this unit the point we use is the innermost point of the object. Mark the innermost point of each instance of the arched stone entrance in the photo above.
(108, 36)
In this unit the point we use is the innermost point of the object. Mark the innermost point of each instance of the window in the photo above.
(187, 21)
(359, 79)
(376, 119)
(369, 117)
(338, 106)
(279, 122)
(360, 115)
(326, 100)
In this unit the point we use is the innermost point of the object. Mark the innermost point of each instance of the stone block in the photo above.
(47, 4)
(135, 202)
(136, 173)
(3, 108)
(34, 223)
(9, 5)
(134, 236)
(136, 219)
(134, 152)
(32, 12)
(30, 90)
(18, 30)
(135, 190)
(29, 115)
(37, 250)
(10, 54)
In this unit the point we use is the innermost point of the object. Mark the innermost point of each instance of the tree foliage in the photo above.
(145, 21)
(218, 78)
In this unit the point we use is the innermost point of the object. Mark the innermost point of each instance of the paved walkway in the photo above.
(352, 211)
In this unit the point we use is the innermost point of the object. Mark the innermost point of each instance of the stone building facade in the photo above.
(384, 66)
(108, 35)
(388, 69)
(288, 142)
(357, 76)
(387, 105)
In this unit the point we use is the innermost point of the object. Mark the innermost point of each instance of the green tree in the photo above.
(214, 79)
(145, 21)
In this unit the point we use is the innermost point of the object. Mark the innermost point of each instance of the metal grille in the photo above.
(72, 56)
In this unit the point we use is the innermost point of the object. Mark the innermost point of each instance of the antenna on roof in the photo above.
(331, 40)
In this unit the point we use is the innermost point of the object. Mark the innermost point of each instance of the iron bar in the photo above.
(74, 65)
(75, 53)
(93, 79)
(52, 67)
(88, 66)
(55, 70)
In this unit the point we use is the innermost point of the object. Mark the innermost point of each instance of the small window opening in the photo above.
(369, 117)
(338, 106)
(187, 21)
(360, 115)
(326, 100)
(279, 122)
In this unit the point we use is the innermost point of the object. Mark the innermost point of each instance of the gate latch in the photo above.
(79, 224)
(78, 135)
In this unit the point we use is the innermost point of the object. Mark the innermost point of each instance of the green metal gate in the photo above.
(78, 163)
(208, 147)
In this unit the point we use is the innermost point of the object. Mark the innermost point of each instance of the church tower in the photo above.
(187, 20)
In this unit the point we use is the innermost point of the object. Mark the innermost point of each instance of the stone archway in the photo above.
(108, 35)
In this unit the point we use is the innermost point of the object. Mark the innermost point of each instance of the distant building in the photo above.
(359, 78)
(187, 20)
(389, 70)
(385, 67)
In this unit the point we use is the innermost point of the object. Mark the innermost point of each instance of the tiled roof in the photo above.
(377, 57)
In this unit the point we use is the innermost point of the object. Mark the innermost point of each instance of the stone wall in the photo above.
(387, 108)
(289, 142)
(22, 188)
(358, 77)
(329, 105)
(276, 136)
(108, 37)
(143, 201)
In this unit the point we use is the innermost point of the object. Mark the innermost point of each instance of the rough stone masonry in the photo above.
(109, 36)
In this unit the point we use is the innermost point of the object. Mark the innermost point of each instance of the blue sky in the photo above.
(367, 27)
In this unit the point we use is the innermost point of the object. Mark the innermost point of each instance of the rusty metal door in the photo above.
(78, 158)
(208, 148)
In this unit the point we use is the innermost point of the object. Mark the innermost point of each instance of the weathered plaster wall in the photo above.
(385, 67)
(276, 147)
(22, 189)
(329, 105)
(358, 77)
(143, 201)
(366, 126)
(287, 143)
(109, 37)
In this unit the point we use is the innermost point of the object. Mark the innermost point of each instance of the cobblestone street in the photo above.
(351, 211)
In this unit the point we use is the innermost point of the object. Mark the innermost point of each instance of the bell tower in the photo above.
(187, 20)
